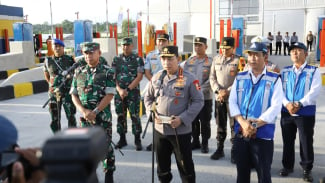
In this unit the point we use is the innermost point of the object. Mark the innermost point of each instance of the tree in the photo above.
(132, 25)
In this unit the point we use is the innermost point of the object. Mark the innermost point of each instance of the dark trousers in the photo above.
(253, 152)
(285, 48)
(278, 46)
(221, 113)
(270, 48)
(309, 44)
(305, 126)
(201, 123)
(165, 145)
(131, 103)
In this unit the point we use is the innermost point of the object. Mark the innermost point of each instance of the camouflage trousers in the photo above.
(131, 103)
(109, 162)
(55, 111)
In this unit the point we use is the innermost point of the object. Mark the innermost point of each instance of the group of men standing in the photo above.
(182, 96)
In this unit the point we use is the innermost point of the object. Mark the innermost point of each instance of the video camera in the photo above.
(70, 156)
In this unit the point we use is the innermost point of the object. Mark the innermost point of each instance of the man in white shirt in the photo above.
(301, 85)
(254, 101)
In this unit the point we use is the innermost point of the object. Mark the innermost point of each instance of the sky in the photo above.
(38, 11)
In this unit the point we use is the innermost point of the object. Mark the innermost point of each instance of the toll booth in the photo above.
(83, 32)
(238, 32)
(23, 31)
(8, 16)
(319, 37)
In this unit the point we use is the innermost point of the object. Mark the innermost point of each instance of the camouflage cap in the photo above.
(163, 36)
(200, 40)
(227, 42)
(90, 46)
(127, 40)
(169, 51)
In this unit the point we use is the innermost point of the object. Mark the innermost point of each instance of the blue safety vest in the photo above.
(254, 99)
(296, 91)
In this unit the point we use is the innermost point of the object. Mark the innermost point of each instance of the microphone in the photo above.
(73, 67)
(161, 78)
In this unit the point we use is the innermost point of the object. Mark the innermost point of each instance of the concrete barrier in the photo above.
(34, 74)
(23, 89)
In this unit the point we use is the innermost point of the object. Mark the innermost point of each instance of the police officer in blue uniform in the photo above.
(301, 85)
(254, 101)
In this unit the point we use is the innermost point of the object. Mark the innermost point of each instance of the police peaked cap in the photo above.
(200, 40)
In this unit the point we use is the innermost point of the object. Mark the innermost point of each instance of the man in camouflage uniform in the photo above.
(224, 69)
(129, 71)
(153, 63)
(53, 72)
(93, 88)
(179, 102)
(200, 65)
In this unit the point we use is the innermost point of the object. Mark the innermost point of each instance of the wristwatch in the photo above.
(96, 110)
(300, 104)
(254, 124)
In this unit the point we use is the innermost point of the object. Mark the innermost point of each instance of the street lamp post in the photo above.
(128, 23)
(51, 19)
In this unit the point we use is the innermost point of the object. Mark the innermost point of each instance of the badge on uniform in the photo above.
(175, 101)
(197, 84)
(206, 62)
(192, 61)
(180, 81)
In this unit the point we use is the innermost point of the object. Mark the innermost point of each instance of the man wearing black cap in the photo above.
(200, 65)
(224, 69)
(254, 102)
(153, 64)
(54, 68)
(179, 102)
(129, 71)
(301, 84)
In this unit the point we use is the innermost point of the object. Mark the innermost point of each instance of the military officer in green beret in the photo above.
(54, 67)
(223, 72)
(129, 72)
(200, 65)
(92, 90)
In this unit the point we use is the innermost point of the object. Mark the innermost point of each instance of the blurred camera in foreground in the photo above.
(70, 156)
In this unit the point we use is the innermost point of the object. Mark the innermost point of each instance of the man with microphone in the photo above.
(179, 101)
(58, 71)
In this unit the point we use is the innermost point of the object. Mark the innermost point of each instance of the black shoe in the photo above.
(205, 148)
(308, 176)
(232, 159)
(121, 143)
(149, 147)
(195, 145)
(285, 172)
(218, 154)
(109, 177)
(137, 143)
